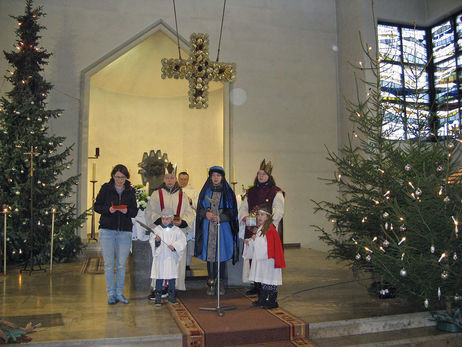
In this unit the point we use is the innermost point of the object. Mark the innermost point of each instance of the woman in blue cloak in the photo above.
(216, 205)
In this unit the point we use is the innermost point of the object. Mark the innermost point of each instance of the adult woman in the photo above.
(216, 205)
(116, 202)
(264, 191)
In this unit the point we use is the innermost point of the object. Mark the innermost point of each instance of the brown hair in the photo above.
(122, 169)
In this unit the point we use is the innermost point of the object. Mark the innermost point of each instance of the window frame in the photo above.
(430, 70)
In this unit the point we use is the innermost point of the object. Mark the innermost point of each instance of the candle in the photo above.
(234, 174)
(93, 172)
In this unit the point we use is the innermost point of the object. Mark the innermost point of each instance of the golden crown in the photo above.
(266, 166)
(170, 169)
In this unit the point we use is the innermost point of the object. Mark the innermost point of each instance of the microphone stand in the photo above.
(220, 310)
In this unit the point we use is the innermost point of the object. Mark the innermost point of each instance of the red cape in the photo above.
(275, 247)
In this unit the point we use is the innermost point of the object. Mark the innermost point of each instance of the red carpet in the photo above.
(243, 326)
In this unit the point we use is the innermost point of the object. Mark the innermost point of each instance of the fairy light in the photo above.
(442, 257)
(403, 239)
(364, 219)
(439, 293)
(410, 183)
(456, 224)
(368, 250)
(355, 242)
(374, 239)
(441, 191)
(402, 255)
(387, 193)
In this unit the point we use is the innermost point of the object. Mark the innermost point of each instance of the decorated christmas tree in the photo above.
(399, 201)
(31, 160)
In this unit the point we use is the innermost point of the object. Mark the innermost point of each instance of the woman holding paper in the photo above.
(116, 202)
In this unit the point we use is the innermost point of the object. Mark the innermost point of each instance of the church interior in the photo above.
(287, 104)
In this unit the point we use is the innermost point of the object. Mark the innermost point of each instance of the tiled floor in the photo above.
(73, 306)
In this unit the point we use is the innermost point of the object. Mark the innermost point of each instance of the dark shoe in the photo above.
(211, 289)
(164, 292)
(222, 288)
(262, 297)
(272, 301)
(158, 298)
(112, 300)
(152, 296)
(121, 298)
(172, 297)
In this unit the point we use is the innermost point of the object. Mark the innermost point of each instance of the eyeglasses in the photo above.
(120, 177)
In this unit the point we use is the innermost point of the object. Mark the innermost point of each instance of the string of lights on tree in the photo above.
(399, 202)
(23, 128)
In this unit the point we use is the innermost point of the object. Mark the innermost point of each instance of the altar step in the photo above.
(413, 329)
(147, 341)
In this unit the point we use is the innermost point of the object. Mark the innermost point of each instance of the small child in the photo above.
(168, 245)
(265, 250)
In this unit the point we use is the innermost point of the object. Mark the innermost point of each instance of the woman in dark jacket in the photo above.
(116, 202)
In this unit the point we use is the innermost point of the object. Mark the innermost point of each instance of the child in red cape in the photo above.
(265, 249)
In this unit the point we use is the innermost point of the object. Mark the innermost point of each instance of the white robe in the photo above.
(153, 212)
(192, 194)
(278, 213)
(262, 269)
(165, 262)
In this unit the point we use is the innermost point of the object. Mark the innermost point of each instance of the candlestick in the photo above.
(53, 212)
(5, 212)
(93, 172)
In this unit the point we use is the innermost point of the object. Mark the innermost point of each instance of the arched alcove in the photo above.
(127, 109)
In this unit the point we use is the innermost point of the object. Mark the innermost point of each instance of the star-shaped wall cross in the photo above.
(198, 70)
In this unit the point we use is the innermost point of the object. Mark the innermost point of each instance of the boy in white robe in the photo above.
(168, 246)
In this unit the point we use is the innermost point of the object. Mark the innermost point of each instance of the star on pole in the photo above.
(198, 70)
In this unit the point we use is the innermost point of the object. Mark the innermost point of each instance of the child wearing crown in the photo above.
(265, 250)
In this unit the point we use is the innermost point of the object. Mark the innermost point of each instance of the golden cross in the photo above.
(32, 154)
(198, 70)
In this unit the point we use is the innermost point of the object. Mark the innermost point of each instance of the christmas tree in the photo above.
(399, 201)
(32, 188)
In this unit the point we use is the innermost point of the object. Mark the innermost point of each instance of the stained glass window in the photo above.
(421, 78)
(404, 81)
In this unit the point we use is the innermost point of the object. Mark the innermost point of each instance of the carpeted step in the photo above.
(244, 325)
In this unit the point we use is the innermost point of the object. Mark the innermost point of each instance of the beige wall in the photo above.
(291, 59)
(125, 126)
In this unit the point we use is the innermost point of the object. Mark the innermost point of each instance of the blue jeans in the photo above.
(120, 242)
(171, 284)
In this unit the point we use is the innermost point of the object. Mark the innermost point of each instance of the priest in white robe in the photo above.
(193, 196)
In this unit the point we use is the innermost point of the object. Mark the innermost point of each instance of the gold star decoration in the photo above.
(198, 70)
